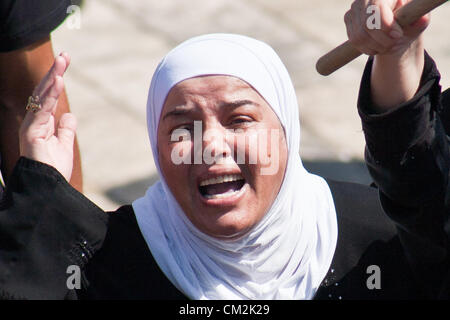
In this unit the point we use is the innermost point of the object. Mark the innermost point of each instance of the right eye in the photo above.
(184, 132)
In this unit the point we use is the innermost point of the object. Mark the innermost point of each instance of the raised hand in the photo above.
(399, 53)
(42, 139)
(386, 36)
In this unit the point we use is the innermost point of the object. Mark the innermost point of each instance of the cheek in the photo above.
(272, 161)
(179, 153)
(241, 145)
(270, 176)
(171, 160)
(266, 150)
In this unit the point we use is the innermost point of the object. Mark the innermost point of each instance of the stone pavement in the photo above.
(119, 43)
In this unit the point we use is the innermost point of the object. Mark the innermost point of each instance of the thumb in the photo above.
(67, 127)
(388, 22)
(419, 26)
(415, 29)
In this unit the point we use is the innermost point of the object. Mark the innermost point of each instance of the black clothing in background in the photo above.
(407, 153)
(23, 22)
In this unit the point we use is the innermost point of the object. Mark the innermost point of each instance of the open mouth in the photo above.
(222, 186)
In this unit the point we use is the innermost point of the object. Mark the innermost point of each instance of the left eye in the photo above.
(241, 120)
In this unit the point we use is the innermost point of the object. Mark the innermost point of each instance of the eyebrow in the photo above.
(182, 110)
(238, 103)
(178, 111)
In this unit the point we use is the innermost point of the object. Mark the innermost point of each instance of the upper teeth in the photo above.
(221, 179)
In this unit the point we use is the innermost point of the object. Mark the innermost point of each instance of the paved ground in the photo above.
(119, 43)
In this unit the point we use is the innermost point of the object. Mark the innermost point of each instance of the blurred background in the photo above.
(116, 45)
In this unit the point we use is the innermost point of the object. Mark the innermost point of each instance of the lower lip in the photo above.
(231, 200)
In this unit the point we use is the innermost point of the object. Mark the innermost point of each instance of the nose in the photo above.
(217, 144)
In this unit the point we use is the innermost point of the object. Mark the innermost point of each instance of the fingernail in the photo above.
(396, 34)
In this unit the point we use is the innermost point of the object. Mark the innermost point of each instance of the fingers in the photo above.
(41, 124)
(66, 56)
(66, 129)
(372, 28)
(418, 27)
(49, 101)
(38, 138)
(368, 26)
(58, 68)
(415, 29)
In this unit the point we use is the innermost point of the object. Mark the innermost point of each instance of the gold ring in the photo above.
(34, 104)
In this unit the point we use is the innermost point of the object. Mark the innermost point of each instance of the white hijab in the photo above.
(288, 253)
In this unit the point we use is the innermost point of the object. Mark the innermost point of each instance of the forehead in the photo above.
(218, 86)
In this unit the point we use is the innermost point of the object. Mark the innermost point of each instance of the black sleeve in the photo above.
(23, 22)
(45, 227)
(405, 145)
(407, 154)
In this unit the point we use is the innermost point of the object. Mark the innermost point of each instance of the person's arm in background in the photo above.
(20, 72)
(26, 55)
(407, 151)
(48, 230)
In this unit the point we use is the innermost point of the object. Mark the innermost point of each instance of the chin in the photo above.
(228, 225)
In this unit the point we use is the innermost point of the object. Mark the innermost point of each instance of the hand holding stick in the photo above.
(346, 53)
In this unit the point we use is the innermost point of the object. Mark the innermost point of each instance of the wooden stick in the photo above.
(345, 53)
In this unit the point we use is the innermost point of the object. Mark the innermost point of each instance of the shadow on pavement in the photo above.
(353, 171)
(127, 193)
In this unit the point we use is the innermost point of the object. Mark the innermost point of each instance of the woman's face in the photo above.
(223, 153)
